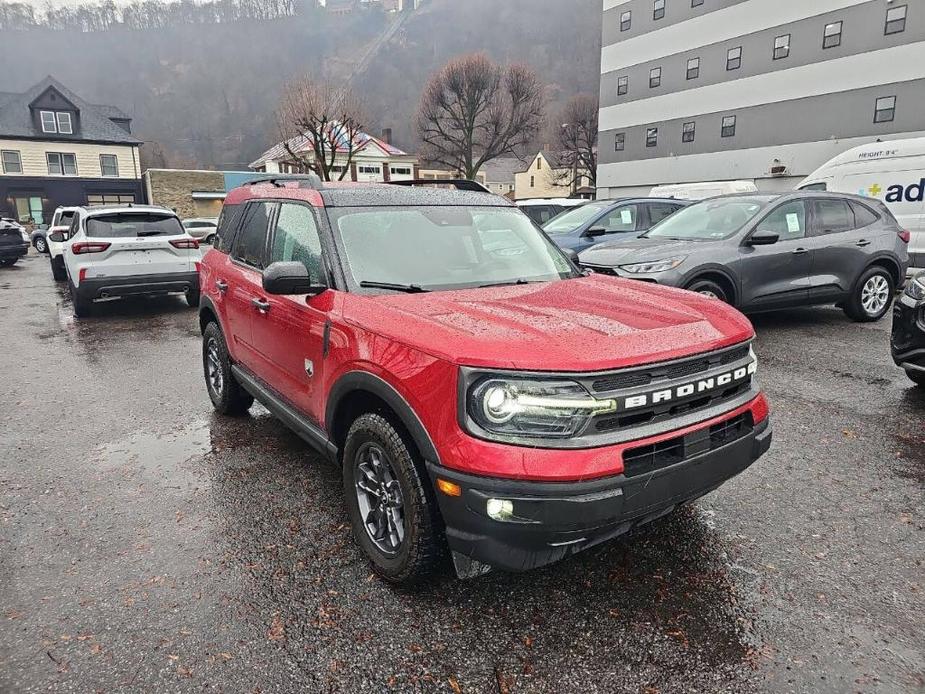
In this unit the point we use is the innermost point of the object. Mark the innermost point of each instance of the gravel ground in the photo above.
(149, 545)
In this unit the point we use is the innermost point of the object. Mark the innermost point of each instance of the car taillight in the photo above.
(185, 243)
(82, 247)
(905, 236)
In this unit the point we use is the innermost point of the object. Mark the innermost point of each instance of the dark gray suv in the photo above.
(761, 252)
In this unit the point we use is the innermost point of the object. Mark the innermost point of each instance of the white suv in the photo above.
(60, 225)
(122, 251)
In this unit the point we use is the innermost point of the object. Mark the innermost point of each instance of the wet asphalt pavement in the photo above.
(149, 545)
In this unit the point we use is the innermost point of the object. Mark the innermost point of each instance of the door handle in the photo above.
(800, 251)
(221, 285)
(261, 305)
(862, 243)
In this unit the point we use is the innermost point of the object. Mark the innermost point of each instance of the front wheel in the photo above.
(227, 395)
(389, 503)
(40, 244)
(871, 297)
(708, 288)
(917, 377)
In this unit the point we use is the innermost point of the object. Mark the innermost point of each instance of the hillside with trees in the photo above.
(203, 79)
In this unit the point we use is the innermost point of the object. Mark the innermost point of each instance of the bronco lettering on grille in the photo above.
(704, 385)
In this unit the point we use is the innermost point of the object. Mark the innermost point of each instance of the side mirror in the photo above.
(596, 231)
(289, 278)
(57, 237)
(763, 238)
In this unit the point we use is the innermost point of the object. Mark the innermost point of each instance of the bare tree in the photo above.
(576, 135)
(320, 125)
(473, 111)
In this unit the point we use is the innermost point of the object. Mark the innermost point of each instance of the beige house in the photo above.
(542, 179)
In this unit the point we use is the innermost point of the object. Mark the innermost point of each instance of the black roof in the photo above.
(95, 124)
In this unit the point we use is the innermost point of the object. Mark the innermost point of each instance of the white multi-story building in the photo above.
(763, 90)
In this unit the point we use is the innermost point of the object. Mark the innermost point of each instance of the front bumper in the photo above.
(13, 250)
(133, 285)
(907, 341)
(553, 520)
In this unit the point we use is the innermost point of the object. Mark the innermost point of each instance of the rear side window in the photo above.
(863, 215)
(833, 216)
(131, 224)
(250, 243)
(227, 223)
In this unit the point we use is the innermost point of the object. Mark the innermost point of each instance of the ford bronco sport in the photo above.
(482, 395)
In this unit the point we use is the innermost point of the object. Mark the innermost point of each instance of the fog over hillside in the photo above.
(202, 79)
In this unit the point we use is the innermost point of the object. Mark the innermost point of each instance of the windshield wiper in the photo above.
(508, 284)
(407, 288)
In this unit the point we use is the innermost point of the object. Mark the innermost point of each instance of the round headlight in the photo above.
(498, 404)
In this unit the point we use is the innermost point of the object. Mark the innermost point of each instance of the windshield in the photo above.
(128, 224)
(572, 219)
(710, 220)
(432, 248)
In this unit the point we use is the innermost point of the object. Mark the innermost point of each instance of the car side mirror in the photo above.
(57, 236)
(763, 238)
(596, 231)
(290, 278)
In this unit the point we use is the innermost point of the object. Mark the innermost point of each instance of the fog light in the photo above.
(500, 509)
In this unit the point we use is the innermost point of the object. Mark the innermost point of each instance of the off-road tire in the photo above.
(421, 552)
(230, 398)
(854, 306)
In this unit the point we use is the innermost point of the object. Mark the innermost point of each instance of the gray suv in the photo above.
(761, 252)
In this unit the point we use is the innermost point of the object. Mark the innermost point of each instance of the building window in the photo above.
(782, 47)
(831, 37)
(693, 68)
(655, 77)
(401, 170)
(696, 3)
(61, 164)
(687, 131)
(49, 123)
(109, 165)
(64, 123)
(368, 169)
(623, 85)
(12, 162)
(626, 21)
(734, 58)
(532, 181)
(895, 20)
(651, 137)
(110, 199)
(658, 9)
(885, 109)
(619, 142)
(539, 163)
(729, 126)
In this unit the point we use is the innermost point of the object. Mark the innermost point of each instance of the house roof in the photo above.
(502, 170)
(303, 143)
(95, 124)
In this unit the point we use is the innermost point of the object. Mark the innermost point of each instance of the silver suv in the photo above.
(761, 252)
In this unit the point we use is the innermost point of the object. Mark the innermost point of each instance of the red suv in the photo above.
(481, 394)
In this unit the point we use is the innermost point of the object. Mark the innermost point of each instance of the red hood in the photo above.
(586, 324)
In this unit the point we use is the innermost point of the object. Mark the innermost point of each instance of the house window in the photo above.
(626, 21)
(623, 85)
(532, 181)
(895, 20)
(658, 9)
(12, 162)
(687, 131)
(782, 47)
(49, 123)
(110, 199)
(729, 126)
(401, 170)
(655, 77)
(693, 68)
(696, 3)
(64, 123)
(619, 142)
(885, 109)
(651, 137)
(831, 37)
(109, 165)
(368, 169)
(734, 58)
(61, 164)
(539, 163)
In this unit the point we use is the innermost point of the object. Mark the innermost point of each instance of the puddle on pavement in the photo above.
(158, 454)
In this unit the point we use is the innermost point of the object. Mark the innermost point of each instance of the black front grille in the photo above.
(645, 459)
(654, 373)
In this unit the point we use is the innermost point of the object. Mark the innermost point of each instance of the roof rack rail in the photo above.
(309, 180)
(457, 183)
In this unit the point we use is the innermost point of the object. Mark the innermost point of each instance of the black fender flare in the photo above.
(353, 381)
(206, 307)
